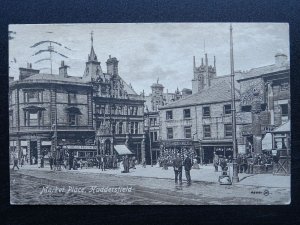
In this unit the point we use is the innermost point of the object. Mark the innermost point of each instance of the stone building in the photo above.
(200, 123)
(98, 113)
(265, 95)
(152, 120)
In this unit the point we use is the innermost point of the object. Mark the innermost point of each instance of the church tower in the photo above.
(92, 68)
(203, 74)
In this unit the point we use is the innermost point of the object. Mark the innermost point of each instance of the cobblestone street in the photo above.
(28, 187)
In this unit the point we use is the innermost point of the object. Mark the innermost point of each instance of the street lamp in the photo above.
(235, 177)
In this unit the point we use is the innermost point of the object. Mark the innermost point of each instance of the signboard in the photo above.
(46, 143)
(267, 142)
(242, 149)
(81, 147)
(24, 143)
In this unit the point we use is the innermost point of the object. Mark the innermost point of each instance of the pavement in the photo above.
(204, 174)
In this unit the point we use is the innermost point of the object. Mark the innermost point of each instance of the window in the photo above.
(153, 136)
(152, 121)
(228, 130)
(11, 121)
(186, 113)
(72, 98)
(136, 127)
(169, 115)
(227, 109)
(206, 131)
(206, 111)
(99, 123)
(284, 86)
(33, 96)
(284, 110)
(132, 127)
(120, 127)
(169, 133)
(72, 120)
(32, 118)
(187, 132)
(131, 110)
(113, 125)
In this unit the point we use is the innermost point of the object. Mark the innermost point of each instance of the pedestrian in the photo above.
(144, 162)
(42, 161)
(16, 161)
(22, 161)
(51, 161)
(75, 164)
(216, 161)
(177, 165)
(187, 167)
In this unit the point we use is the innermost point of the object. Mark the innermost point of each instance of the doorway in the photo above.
(33, 153)
(208, 154)
(107, 147)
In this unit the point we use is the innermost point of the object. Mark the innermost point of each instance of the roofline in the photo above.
(279, 72)
(195, 104)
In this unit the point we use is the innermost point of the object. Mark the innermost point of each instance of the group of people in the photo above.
(178, 163)
(245, 162)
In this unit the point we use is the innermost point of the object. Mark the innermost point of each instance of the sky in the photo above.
(148, 51)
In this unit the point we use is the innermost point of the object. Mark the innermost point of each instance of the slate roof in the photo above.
(220, 91)
(259, 71)
(53, 77)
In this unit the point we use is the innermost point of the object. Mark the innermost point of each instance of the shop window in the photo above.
(206, 111)
(227, 109)
(186, 113)
(187, 132)
(206, 131)
(169, 133)
(228, 130)
(169, 115)
(72, 120)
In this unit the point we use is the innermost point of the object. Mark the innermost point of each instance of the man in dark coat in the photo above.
(177, 165)
(187, 167)
(51, 161)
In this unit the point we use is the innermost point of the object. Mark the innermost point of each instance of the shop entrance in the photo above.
(33, 153)
(208, 154)
(107, 147)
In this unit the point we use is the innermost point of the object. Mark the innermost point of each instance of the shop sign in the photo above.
(82, 147)
(24, 143)
(46, 143)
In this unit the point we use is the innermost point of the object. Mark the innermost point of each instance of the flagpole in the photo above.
(235, 177)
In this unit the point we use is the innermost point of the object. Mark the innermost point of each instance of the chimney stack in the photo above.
(63, 69)
(280, 59)
(27, 72)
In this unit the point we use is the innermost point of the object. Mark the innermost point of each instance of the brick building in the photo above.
(98, 113)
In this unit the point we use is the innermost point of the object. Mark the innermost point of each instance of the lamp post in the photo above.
(235, 177)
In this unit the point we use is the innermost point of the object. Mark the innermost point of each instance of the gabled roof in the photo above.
(220, 91)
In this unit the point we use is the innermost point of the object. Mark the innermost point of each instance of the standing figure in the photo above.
(216, 161)
(187, 167)
(16, 161)
(51, 161)
(177, 165)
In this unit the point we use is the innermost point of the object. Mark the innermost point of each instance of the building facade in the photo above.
(265, 95)
(87, 116)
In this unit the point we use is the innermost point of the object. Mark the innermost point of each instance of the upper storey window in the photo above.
(72, 98)
(33, 96)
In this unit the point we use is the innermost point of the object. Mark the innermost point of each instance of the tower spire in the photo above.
(92, 55)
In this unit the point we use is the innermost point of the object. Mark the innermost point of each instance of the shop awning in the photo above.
(284, 128)
(122, 150)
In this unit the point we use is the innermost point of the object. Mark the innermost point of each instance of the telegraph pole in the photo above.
(235, 177)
